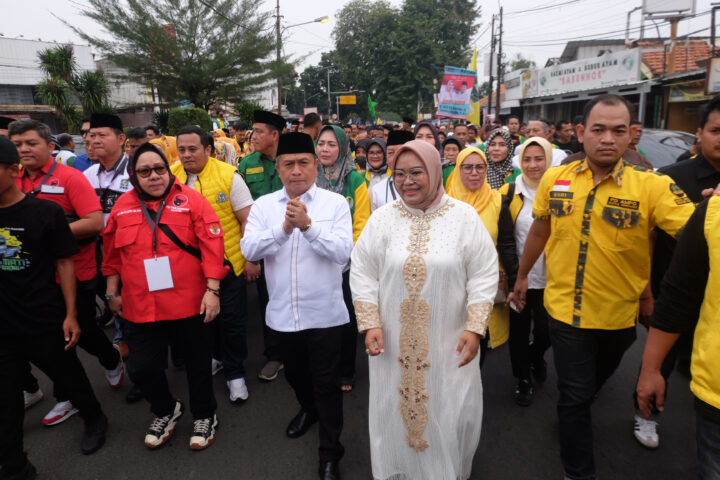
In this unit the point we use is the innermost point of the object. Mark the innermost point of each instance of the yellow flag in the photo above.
(473, 115)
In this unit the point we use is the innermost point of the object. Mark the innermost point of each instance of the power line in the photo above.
(546, 7)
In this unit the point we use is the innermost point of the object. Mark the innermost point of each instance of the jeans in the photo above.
(146, 365)
(47, 352)
(708, 448)
(348, 352)
(312, 359)
(584, 360)
(233, 322)
(522, 352)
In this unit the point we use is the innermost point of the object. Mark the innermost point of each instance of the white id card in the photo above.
(157, 271)
(52, 189)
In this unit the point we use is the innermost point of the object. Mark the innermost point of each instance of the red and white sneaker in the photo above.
(115, 376)
(59, 413)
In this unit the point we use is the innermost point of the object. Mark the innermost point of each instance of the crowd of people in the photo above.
(437, 242)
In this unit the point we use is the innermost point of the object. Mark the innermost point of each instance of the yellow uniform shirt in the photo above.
(597, 256)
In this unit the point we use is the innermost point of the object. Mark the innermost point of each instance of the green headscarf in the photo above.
(333, 178)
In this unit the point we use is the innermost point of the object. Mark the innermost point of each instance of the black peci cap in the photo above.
(269, 118)
(399, 137)
(99, 120)
(295, 142)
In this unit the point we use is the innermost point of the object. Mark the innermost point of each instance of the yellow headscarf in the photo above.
(479, 198)
(165, 149)
(221, 136)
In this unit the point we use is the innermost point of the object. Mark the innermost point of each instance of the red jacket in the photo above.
(127, 242)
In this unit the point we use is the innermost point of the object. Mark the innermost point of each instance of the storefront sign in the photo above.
(617, 68)
(712, 81)
(688, 92)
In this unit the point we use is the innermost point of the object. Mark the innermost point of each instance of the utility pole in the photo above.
(329, 100)
(673, 35)
(278, 47)
(499, 66)
(490, 69)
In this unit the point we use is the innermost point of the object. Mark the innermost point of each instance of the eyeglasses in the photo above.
(145, 172)
(467, 168)
(83, 132)
(400, 176)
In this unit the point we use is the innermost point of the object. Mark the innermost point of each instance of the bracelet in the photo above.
(214, 292)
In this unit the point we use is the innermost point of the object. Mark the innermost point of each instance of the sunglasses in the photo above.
(145, 172)
(83, 132)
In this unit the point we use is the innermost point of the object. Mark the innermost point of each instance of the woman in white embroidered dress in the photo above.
(424, 276)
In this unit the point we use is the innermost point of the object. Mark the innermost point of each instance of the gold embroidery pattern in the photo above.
(478, 316)
(415, 318)
(368, 316)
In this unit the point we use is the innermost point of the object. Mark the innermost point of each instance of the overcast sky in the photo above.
(537, 34)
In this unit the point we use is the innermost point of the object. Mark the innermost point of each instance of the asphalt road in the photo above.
(516, 442)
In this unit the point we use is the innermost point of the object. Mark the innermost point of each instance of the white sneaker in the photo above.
(162, 428)
(115, 376)
(32, 398)
(216, 366)
(645, 432)
(59, 413)
(238, 390)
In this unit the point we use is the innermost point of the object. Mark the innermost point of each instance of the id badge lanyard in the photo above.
(157, 270)
(47, 176)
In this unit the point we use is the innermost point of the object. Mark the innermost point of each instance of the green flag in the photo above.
(371, 106)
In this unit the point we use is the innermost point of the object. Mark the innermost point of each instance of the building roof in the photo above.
(689, 54)
(570, 52)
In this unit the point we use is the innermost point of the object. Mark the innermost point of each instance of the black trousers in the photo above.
(522, 352)
(92, 339)
(146, 365)
(228, 332)
(272, 343)
(584, 360)
(348, 352)
(48, 353)
(312, 360)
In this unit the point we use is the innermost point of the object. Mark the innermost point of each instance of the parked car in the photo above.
(663, 147)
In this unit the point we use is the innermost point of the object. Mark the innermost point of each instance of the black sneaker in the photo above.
(203, 432)
(28, 472)
(539, 370)
(524, 393)
(94, 435)
(162, 428)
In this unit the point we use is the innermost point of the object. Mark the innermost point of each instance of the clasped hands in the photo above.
(295, 215)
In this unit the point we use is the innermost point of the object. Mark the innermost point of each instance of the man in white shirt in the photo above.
(304, 234)
(538, 128)
(384, 192)
(226, 191)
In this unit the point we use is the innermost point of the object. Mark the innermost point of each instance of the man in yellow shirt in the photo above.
(593, 218)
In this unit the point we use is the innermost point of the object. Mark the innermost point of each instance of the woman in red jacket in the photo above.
(164, 243)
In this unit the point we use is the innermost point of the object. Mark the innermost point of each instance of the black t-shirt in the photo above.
(33, 234)
(693, 176)
(573, 145)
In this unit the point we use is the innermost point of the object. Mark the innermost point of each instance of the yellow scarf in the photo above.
(485, 200)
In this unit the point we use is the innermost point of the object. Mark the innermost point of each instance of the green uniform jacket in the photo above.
(446, 172)
(356, 194)
(259, 173)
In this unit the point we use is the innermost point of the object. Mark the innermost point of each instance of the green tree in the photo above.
(245, 111)
(181, 117)
(208, 53)
(519, 62)
(64, 85)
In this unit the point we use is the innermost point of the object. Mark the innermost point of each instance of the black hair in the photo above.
(311, 119)
(635, 122)
(137, 133)
(510, 117)
(227, 132)
(473, 128)
(294, 122)
(577, 119)
(63, 140)
(712, 106)
(155, 129)
(194, 129)
(18, 127)
(240, 126)
(606, 99)
(560, 123)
